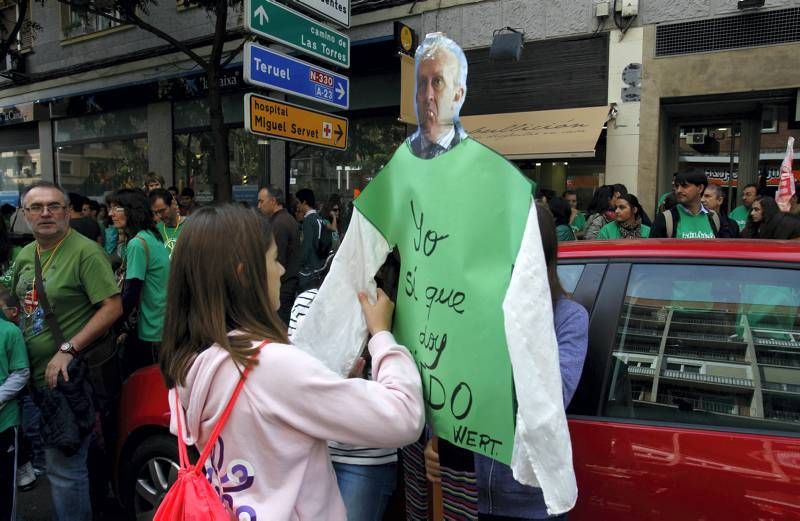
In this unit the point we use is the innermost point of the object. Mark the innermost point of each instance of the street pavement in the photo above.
(35, 505)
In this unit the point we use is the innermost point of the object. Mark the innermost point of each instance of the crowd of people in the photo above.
(694, 208)
(96, 278)
(215, 295)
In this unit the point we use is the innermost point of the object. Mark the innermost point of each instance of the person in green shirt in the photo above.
(84, 298)
(628, 223)
(167, 215)
(561, 211)
(146, 271)
(740, 213)
(577, 220)
(14, 374)
(689, 219)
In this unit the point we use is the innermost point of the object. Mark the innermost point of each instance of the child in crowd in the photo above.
(14, 374)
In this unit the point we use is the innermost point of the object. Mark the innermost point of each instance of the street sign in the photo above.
(277, 119)
(336, 10)
(266, 68)
(277, 22)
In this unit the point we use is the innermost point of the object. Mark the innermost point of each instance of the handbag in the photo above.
(101, 357)
(192, 497)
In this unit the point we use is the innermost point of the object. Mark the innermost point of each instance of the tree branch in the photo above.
(233, 53)
(5, 45)
(134, 19)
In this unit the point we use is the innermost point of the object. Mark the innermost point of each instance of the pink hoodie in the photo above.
(271, 460)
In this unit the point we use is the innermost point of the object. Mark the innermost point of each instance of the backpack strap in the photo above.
(212, 441)
(670, 223)
(713, 218)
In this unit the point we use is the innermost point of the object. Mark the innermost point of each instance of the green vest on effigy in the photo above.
(458, 221)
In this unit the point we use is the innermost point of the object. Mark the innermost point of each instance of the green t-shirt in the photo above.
(78, 278)
(8, 274)
(579, 222)
(564, 233)
(693, 226)
(13, 357)
(610, 232)
(152, 267)
(739, 214)
(170, 235)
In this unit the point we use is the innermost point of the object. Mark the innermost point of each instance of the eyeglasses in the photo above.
(37, 209)
(335, 210)
(117, 209)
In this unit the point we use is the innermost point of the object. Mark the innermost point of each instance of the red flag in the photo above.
(786, 187)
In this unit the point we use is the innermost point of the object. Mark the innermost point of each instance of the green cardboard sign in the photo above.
(458, 221)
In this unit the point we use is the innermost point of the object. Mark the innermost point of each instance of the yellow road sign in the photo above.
(277, 119)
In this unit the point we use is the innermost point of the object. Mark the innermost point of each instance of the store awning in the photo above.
(540, 134)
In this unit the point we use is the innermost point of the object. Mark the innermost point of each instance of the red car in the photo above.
(689, 402)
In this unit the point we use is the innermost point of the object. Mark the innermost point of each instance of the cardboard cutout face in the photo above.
(441, 73)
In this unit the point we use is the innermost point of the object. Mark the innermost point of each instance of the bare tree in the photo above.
(135, 12)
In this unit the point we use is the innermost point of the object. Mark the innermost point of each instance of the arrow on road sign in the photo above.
(265, 67)
(261, 14)
(277, 22)
(279, 119)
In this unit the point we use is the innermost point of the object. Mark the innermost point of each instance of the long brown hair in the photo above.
(547, 227)
(217, 284)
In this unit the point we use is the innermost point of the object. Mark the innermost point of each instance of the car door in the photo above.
(689, 405)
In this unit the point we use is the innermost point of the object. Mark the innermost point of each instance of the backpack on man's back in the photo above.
(323, 241)
(672, 216)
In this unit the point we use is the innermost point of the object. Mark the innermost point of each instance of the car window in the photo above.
(711, 345)
(569, 275)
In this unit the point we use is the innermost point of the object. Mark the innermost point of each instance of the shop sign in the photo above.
(272, 20)
(16, 114)
(277, 119)
(246, 193)
(264, 67)
(336, 10)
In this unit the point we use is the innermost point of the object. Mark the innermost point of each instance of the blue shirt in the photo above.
(498, 492)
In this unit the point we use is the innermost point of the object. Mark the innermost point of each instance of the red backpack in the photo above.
(192, 497)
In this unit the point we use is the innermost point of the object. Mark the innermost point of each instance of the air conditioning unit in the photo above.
(695, 138)
(14, 63)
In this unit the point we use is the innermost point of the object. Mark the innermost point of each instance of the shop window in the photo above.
(709, 345)
(19, 168)
(193, 157)
(75, 23)
(101, 153)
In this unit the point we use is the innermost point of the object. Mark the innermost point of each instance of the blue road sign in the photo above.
(266, 68)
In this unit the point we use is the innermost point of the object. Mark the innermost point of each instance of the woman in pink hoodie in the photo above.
(271, 461)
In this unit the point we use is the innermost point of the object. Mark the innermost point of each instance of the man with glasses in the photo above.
(167, 215)
(83, 295)
(272, 202)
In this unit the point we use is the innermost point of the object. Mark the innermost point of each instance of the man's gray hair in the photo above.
(715, 188)
(437, 44)
(43, 184)
(277, 193)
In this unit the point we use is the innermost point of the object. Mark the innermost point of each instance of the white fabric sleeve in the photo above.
(334, 330)
(542, 454)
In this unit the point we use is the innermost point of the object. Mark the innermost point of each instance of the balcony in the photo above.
(708, 379)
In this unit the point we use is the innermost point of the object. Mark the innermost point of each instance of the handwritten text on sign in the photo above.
(431, 345)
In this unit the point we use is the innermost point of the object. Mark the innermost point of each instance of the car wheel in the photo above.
(152, 469)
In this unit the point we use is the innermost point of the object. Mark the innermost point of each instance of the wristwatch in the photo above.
(67, 347)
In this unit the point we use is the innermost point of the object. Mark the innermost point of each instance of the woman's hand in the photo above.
(379, 314)
(432, 470)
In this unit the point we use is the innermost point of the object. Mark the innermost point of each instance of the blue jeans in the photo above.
(69, 483)
(366, 489)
